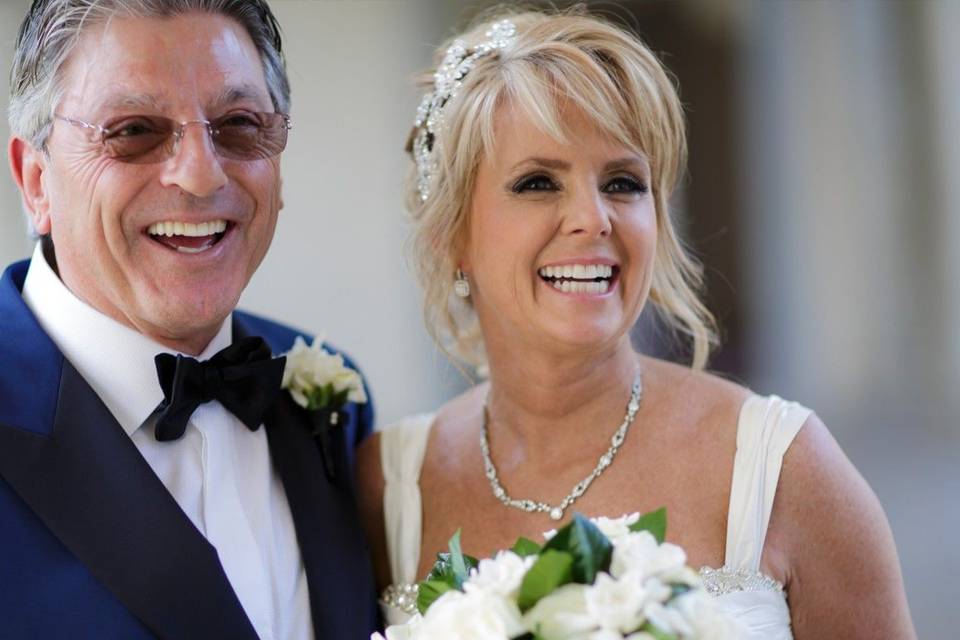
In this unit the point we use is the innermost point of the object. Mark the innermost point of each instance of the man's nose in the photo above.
(195, 165)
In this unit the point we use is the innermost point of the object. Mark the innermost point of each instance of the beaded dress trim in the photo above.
(717, 582)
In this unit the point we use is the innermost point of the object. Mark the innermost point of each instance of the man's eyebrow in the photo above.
(238, 93)
(137, 101)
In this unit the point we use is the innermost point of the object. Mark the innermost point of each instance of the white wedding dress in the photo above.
(766, 427)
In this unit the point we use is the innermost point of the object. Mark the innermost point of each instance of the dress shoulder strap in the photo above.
(766, 427)
(402, 446)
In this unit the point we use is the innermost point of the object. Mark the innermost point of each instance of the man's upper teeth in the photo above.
(578, 271)
(190, 229)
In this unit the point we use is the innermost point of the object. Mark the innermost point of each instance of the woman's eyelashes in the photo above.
(617, 185)
(535, 182)
(625, 184)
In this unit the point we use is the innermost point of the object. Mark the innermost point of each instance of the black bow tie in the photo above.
(244, 378)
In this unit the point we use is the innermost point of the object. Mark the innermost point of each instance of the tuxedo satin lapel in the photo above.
(91, 487)
(324, 514)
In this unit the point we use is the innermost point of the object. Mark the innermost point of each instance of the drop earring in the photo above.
(461, 286)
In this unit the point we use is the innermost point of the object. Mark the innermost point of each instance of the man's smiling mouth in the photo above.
(189, 237)
(579, 278)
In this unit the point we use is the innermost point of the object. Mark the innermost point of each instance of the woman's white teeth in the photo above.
(576, 286)
(578, 271)
(188, 229)
(578, 278)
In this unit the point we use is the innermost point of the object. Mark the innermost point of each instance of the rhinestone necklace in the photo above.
(556, 512)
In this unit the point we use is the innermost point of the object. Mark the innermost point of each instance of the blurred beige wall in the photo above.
(14, 243)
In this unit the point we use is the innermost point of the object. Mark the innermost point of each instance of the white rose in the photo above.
(632, 553)
(616, 528)
(501, 575)
(471, 616)
(298, 359)
(667, 619)
(708, 621)
(312, 367)
(562, 615)
(604, 634)
(409, 630)
(616, 605)
(640, 552)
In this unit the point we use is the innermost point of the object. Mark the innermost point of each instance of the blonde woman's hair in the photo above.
(620, 85)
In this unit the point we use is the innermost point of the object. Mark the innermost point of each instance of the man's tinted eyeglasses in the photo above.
(147, 139)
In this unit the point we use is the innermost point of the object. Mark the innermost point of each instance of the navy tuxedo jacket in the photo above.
(93, 546)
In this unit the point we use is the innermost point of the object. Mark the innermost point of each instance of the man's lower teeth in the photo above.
(185, 249)
(192, 250)
(574, 286)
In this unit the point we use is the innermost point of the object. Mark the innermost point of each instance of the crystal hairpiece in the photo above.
(447, 79)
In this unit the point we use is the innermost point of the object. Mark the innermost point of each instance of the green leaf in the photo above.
(326, 391)
(525, 547)
(442, 570)
(457, 561)
(452, 567)
(655, 522)
(551, 570)
(678, 589)
(429, 591)
(657, 633)
(339, 398)
(591, 550)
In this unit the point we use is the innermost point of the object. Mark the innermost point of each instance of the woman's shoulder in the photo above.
(700, 401)
(855, 574)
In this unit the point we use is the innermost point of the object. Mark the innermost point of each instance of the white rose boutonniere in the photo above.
(318, 379)
(321, 383)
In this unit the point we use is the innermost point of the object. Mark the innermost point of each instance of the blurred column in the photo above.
(943, 50)
(825, 184)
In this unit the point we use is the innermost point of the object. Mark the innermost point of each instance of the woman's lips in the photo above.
(592, 279)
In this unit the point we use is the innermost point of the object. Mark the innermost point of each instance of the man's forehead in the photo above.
(119, 97)
(195, 60)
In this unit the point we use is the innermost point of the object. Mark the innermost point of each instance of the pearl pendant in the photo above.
(556, 513)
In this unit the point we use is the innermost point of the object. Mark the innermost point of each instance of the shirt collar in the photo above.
(115, 360)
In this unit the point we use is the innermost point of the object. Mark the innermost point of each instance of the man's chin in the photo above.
(186, 323)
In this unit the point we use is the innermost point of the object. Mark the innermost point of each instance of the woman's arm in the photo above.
(843, 574)
(370, 497)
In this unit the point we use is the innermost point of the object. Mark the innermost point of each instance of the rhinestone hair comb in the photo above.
(447, 80)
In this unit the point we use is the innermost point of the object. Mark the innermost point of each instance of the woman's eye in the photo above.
(625, 184)
(535, 183)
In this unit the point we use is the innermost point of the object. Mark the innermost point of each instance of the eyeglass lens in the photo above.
(146, 139)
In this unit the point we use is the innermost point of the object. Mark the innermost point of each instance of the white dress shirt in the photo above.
(219, 472)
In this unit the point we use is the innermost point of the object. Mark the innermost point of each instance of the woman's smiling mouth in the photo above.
(580, 278)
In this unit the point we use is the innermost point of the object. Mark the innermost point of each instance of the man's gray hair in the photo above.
(52, 28)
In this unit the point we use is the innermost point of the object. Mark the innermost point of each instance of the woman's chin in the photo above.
(583, 337)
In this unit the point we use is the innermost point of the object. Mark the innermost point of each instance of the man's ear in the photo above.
(27, 165)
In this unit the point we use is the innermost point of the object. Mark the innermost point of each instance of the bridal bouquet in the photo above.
(600, 579)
